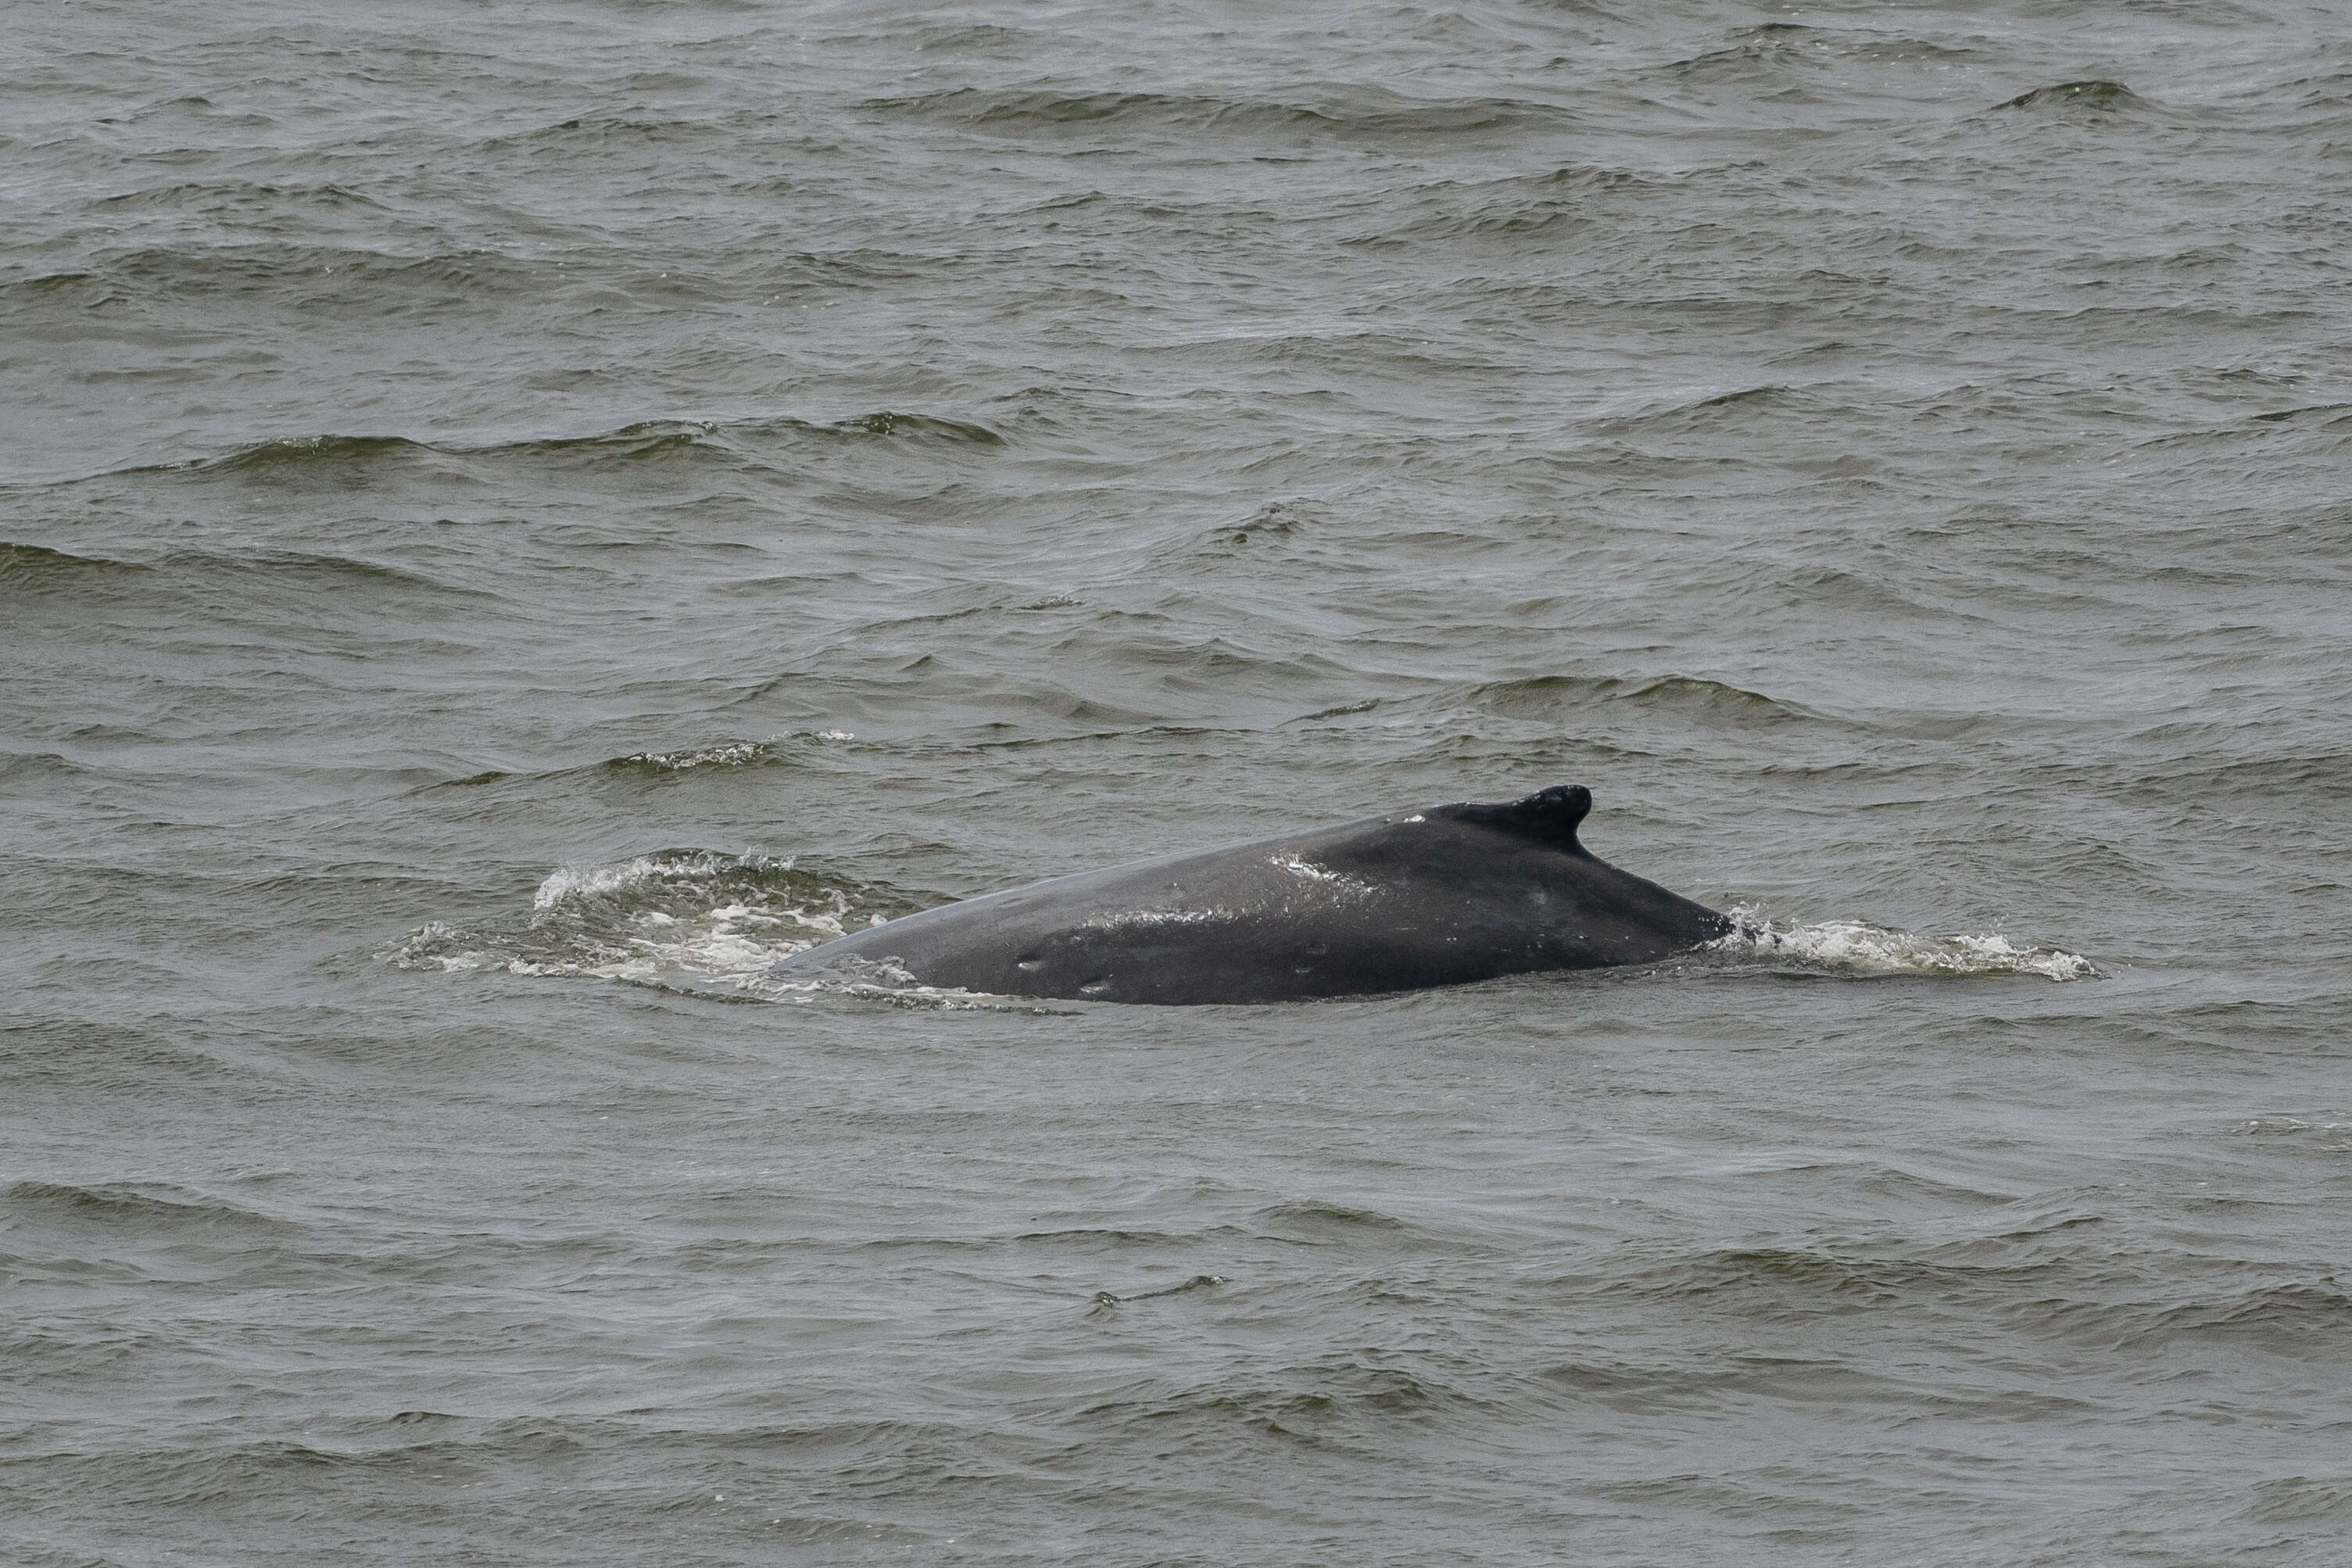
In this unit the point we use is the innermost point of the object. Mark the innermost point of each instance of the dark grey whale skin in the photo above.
(1439, 896)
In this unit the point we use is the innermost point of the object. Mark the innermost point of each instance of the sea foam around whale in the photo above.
(1858, 950)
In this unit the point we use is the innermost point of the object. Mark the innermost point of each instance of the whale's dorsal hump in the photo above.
(1549, 816)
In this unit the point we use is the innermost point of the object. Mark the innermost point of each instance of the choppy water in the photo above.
(515, 516)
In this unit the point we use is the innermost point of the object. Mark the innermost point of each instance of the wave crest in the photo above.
(723, 753)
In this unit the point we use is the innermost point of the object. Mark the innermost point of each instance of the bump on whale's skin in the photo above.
(1434, 897)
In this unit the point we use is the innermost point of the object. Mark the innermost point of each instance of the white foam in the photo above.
(732, 754)
(437, 945)
(574, 882)
(732, 943)
(700, 918)
(728, 753)
(1856, 947)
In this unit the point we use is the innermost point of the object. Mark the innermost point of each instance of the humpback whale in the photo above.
(1435, 896)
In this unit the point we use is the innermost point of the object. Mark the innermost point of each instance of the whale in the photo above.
(1430, 896)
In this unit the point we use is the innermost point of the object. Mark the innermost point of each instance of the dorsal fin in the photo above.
(1549, 816)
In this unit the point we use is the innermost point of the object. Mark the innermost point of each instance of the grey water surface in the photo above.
(513, 517)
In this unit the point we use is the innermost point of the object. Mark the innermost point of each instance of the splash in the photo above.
(692, 918)
(1858, 949)
(691, 921)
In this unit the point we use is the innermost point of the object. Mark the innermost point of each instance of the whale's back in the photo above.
(1439, 896)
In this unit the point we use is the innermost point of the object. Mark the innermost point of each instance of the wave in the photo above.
(1321, 1221)
(2338, 413)
(2283, 1126)
(1343, 112)
(37, 569)
(2077, 1292)
(129, 1213)
(923, 426)
(1712, 413)
(1546, 696)
(1340, 1398)
(2284, 778)
(1764, 55)
(76, 290)
(2095, 94)
(279, 576)
(216, 197)
(2301, 1500)
(24, 769)
(345, 460)
(612, 127)
(355, 283)
(1857, 949)
(363, 283)
(1520, 209)
(309, 452)
(721, 754)
(652, 437)
(726, 755)
(1105, 1300)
